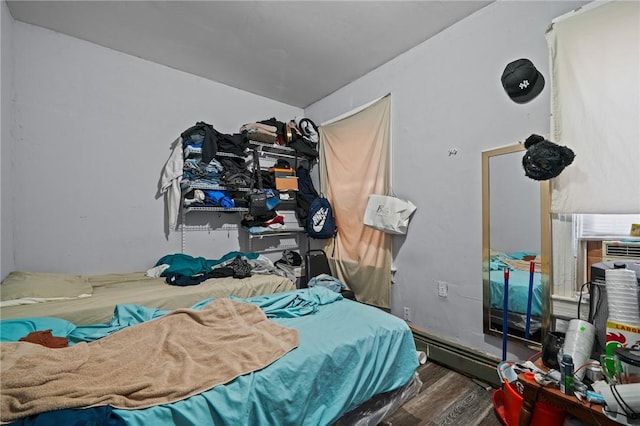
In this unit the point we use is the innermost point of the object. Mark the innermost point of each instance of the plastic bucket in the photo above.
(512, 404)
(544, 414)
(498, 405)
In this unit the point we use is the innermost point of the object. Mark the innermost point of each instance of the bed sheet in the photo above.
(519, 264)
(110, 290)
(518, 291)
(348, 352)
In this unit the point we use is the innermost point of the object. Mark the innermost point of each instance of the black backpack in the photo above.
(305, 195)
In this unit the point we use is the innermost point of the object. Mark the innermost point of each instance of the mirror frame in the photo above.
(545, 249)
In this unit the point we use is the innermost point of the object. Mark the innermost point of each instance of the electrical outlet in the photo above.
(407, 313)
(443, 288)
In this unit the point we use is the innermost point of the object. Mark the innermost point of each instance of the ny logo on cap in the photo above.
(524, 84)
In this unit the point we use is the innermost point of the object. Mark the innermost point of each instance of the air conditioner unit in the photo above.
(613, 250)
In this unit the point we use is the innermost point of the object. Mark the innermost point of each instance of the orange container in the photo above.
(544, 414)
(512, 404)
(282, 172)
(498, 404)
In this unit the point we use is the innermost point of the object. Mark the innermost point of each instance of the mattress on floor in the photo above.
(137, 288)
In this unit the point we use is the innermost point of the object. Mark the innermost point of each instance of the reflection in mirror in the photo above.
(515, 237)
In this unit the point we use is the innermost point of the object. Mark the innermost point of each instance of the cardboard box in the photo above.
(282, 172)
(287, 183)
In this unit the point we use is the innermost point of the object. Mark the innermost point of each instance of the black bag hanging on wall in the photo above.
(305, 196)
(258, 198)
(258, 203)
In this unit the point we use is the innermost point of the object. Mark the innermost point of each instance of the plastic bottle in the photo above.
(566, 374)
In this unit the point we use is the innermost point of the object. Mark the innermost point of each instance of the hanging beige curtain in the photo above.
(595, 103)
(355, 162)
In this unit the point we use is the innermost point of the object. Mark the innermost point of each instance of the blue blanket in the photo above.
(348, 352)
(518, 291)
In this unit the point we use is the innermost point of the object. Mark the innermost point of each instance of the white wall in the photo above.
(446, 94)
(6, 141)
(92, 131)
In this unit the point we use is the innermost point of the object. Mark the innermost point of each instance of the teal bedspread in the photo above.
(518, 285)
(518, 292)
(348, 352)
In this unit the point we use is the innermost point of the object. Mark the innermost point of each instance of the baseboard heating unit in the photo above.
(457, 357)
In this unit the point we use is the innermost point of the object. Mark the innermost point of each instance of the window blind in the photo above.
(595, 104)
(606, 225)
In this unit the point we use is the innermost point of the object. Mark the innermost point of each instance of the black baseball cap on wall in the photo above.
(522, 81)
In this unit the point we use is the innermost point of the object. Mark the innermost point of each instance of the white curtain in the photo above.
(355, 162)
(595, 105)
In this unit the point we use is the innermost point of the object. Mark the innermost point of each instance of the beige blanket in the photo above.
(160, 361)
(523, 265)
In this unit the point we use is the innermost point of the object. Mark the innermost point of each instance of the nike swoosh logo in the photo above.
(319, 218)
(318, 227)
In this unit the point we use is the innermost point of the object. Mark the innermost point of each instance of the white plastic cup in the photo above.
(578, 343)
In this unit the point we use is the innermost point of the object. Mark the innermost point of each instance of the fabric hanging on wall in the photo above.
(355, 162)
(595, 105)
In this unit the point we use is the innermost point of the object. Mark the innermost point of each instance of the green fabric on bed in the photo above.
(11, 330)
(184, 264)
(518, 284)
(518, 291)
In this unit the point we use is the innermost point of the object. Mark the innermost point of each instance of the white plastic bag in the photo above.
(388, 214)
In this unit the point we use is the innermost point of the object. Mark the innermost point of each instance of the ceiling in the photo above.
(295, 52)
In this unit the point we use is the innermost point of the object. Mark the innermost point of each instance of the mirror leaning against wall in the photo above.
(515, 236)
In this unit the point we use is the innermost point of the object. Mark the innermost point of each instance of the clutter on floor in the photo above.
(593, 363)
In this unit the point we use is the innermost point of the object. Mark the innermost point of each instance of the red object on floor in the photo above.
(512, 403)
(507, 402)
(498, 405)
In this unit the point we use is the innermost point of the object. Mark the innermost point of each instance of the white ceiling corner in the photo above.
(295, 52)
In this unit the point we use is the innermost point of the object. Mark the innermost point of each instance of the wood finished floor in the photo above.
(446, 398)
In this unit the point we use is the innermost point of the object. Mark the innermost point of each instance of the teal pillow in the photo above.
(11, 330)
